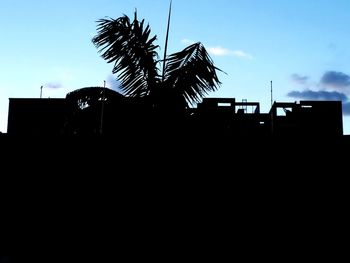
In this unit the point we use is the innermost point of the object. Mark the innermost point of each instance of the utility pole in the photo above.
(271, 94)
(102, 106)
(272, 112)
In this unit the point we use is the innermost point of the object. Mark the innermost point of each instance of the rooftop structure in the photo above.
(215, 115)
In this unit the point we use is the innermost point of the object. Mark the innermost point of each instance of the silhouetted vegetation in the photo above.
(187, 77)
(85, 109)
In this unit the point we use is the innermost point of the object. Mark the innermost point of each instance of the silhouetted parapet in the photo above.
(99, 111)
(231, 117)
(307, 118)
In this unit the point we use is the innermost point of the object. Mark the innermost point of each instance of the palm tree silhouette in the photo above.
(187, 76)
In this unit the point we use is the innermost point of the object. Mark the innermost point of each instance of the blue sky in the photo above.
(301, 45)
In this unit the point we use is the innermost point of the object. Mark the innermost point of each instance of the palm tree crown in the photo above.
(189, 75)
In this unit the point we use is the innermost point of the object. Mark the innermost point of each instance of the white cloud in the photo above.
(222, 52)
(187, 41)
(242, 54)
(53, 85)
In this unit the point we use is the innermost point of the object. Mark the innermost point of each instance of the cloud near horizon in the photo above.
(346, 108)
(53, 85)
(335, 79)
(318, 95)
(323, 95)
(299, 79)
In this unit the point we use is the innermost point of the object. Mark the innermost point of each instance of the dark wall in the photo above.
(7, 259)
(36, 116)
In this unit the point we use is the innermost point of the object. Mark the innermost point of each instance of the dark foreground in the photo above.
(254, 192)
(172, 161)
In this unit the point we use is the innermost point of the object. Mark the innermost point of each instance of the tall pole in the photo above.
(271, 94)
(102, 107)
(41, 92)
(166, 41)
(272, 112)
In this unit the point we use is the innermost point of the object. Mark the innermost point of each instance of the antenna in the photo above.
(271, 94)
(41, 92)
(272, 111)
(166, 41)
(102, 106)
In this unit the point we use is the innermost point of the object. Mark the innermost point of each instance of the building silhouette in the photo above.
(223, 158)
(212, 116)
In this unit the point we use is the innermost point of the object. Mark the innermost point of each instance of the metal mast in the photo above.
(166, 41)
(102, 107)
(271, 94)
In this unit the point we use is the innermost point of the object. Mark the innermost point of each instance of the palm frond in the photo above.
(129, 46)
(191, 73)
